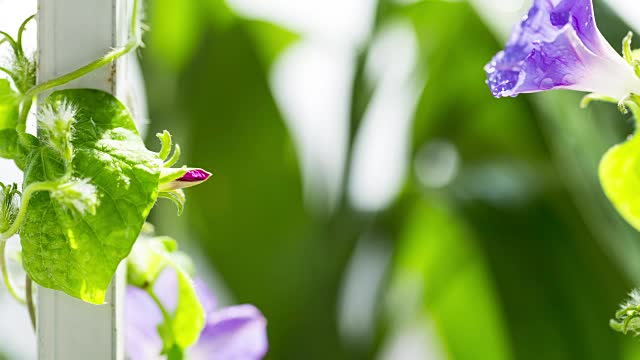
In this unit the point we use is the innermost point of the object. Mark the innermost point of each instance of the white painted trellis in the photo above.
(72, 33)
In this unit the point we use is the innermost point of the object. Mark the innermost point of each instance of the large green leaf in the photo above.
(188, 318)
(620, 178)
(12, 148)
(79, 254)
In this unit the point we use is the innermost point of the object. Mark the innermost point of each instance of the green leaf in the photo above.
(79, 254)
(620, 179)
(11, 148)
(8, 106)
(188, 319)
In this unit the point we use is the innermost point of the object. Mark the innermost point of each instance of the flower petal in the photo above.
(142, 318)
(207, 299)
(579, 14)
(548, 65)
(558, 45)
(232, 333)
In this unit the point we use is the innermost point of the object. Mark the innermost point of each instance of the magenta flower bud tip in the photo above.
(195, 175)
(191, 178)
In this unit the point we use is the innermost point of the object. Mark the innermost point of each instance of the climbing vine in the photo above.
(89, 185)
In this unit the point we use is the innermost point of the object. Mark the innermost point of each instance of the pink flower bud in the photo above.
(193, 177)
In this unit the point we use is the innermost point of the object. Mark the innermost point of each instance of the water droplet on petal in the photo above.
(546, 84)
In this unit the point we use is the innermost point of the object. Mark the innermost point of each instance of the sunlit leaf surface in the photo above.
(81, 257)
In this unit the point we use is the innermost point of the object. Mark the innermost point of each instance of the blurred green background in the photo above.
(486, 237)
(372, 198)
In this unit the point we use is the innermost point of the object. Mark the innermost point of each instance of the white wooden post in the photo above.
(72, 33)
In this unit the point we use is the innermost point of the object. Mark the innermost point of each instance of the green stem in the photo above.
(111, 56)
(134, 28)
(28, 284)
(163, 310)
(11, 41)
(21, 128)
(23, 27)
(133, 43)
(588, 99)
(5, 274)
(8, 72)
(11, 74)
(13, 229)
(634, 106)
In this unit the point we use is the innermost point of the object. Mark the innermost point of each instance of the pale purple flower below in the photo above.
(558, 46)
(230, 333)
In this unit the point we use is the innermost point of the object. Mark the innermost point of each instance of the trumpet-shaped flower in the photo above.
(558, 46)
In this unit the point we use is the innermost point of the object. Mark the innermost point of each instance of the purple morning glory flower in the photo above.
(230, 333)
(558, 46)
